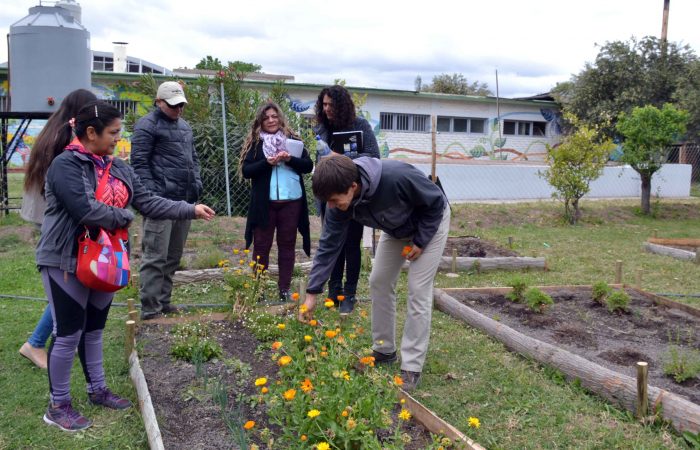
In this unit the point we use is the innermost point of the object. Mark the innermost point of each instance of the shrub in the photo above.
(600, 293)
(519, 285)
(617, 301)
(682, 363)
(537, 300)
(192, 343)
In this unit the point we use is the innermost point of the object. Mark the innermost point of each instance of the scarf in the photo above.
(273, 143)
(115, 193)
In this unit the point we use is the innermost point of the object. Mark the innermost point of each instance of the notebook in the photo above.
(347, 141)
(295, 147)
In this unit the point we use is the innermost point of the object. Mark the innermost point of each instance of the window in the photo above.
(460, 124)
(124, 106)
(103, 63)
(523, 128)
(404, 122)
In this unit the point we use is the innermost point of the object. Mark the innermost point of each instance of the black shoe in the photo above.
(150, 315)
(347, 305)
(384, 358)
(170, 309)
(410, 380)
(285, 296)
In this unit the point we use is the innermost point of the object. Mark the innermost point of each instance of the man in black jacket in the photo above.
(164, 157)
(414, 217)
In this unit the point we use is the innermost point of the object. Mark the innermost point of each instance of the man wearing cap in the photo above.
(164, 157)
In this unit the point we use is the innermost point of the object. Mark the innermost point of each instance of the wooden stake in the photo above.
(454, 260)
(618, 272)
(642, 398)
(655, 233)
(510, 242)
(130, 333)
(697, 255)
(134, 315)
(130, 305)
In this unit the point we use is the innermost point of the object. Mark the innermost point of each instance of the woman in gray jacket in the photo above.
(80, 313)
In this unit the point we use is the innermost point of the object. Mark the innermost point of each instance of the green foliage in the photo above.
(208, 258)
(574, 163)
(682, 362)
(537, 300)
(617, 301)
(192, 343)
(629, 74)
(519, 285)
(456, 83)
(687, 96)
(693, 439)
(648, 131)
(209, 63)
(600, 292)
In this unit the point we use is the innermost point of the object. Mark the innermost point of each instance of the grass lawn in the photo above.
(520, 403)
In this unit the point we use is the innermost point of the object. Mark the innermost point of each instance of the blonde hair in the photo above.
(253, 136)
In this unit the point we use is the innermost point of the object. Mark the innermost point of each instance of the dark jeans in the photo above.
(350, 260)
(284, 217)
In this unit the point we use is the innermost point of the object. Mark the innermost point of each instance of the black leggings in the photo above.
(350, 253)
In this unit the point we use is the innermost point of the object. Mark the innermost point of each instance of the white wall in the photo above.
(466, 182)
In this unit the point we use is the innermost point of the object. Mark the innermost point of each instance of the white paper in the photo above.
(294, 147)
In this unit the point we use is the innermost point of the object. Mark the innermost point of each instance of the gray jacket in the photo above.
(70, 195)
(395, 197)
(164, 157)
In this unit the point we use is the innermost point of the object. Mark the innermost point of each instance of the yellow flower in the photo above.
(404, 414)
(246, 251)
(352, 336)
(322, 446)
(402, 401)
(344, 413)
(303, 309)
(330, 334)
(289, 394)
(261, 381)
(251, 264)
(398, 380)
(240, 261)
(281, 326)
(276, 345)
(303, 437)
(446, 441)
(306, 385)
(329, 304)
(257, 257)
(283, 361)
(249, 424)
(474, 422)
(308, 338)
(235, 251)
(246, 285)
(264, 390)
(314, 413)
(363, 314)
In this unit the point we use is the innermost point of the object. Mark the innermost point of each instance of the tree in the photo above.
(626, 75)
(456, 84)
(209, 63)
(574, 163)
(243, 67)
(647, 132)
(688, 97)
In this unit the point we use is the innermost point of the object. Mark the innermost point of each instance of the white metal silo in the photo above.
(49, 57)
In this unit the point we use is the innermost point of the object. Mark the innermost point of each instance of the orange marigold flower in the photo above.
(264, 390)
(367, 361)
(295, 296)
(398, 380)
(284, 360)
(249, 424)
(406, 250)
(303, 437)
(313, 322)
(324, 354)
(330, 334)
(276, 345)
(340, 298)
(344, 413)
(289, 394)
(306, 385)
(303, 309)
(329, 303)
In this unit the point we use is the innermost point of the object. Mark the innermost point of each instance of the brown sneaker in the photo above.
(410, 380)
(36, 355)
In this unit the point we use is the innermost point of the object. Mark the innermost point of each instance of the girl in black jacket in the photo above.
(277, 197)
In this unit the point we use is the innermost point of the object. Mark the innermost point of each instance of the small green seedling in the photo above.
(537, 300)
(519, 285)
(600, 292)
(618, 301)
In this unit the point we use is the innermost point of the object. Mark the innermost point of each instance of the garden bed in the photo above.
(188, 418)
(681, 248)
(582, 327)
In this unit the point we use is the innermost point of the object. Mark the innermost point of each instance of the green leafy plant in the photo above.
(617, 301)
(537, 300)
(193, 344)
(600, 292)
(519, 285)
(247, 282)
(681, 362)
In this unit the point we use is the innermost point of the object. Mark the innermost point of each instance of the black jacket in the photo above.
(395, 197)
(71, 206)
(164, 157)
(256, 168)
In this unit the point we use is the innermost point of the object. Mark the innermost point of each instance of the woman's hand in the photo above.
(203, 212)
(308, 307)
(283, 156)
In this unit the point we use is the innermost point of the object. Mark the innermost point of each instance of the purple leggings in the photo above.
(79, 316)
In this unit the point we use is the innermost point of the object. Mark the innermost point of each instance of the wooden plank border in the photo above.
(150, 422)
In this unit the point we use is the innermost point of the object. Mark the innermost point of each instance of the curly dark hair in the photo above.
(343, 108)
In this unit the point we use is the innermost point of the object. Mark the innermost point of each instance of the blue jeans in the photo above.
(43, 330)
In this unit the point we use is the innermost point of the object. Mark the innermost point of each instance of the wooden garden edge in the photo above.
(150, 422)
(618, 388)
(678, 253)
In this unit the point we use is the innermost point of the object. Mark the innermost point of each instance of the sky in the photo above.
(381, 43)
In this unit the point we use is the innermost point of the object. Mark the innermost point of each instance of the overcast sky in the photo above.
(380, 43)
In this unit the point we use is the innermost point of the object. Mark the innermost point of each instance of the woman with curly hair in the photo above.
(335, 111)
(277, 197)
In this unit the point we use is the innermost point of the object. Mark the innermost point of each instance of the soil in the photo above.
(471, 246)
(187, 417)
(616, 341)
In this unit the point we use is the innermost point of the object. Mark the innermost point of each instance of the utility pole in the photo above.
(664, 23)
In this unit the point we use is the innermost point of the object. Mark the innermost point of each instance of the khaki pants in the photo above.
(382, 286)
